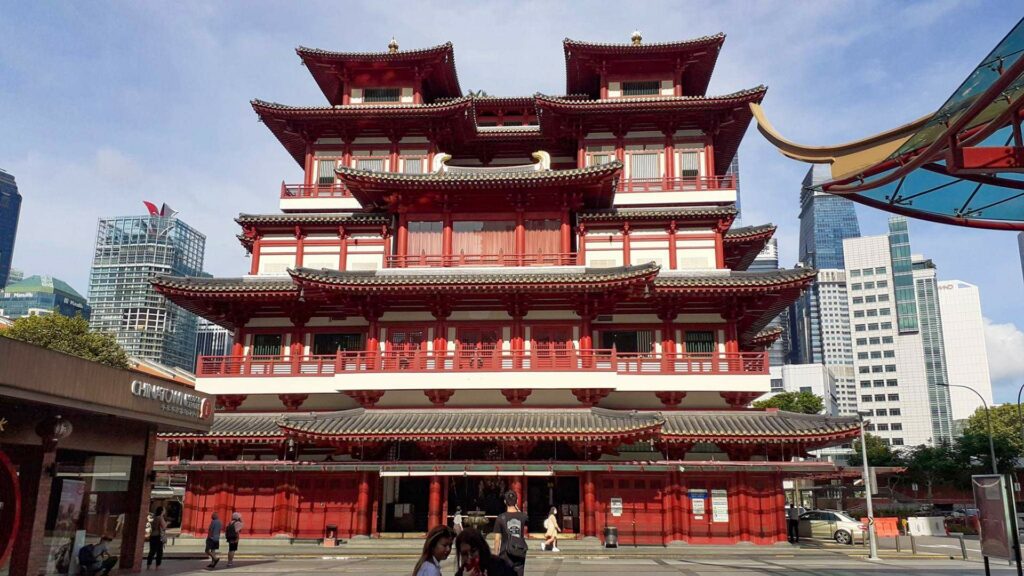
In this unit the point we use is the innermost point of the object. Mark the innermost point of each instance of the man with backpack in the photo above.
(96, 559)
(231, 534)
(510, 534)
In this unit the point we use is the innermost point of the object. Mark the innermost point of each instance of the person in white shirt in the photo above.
(551, 530)
(457, 520)
(436, 548)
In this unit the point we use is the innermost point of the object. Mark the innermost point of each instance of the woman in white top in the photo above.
(551, 530)
(436, 548)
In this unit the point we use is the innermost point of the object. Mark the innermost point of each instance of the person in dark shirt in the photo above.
(510, 534)
(475, 558)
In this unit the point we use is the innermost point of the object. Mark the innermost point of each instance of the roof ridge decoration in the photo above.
(708, 39)
(482, 174)
(760, 89)
(439, 48)
(440, 104)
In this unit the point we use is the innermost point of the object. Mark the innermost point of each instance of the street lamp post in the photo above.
(872, 543)
(988, 422)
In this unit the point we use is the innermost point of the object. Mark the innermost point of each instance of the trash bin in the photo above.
(611, 537)
(331, 532)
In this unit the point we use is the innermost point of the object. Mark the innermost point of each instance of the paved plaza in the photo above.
(728, 563)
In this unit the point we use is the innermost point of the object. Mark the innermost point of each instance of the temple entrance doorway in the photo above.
(561, 492)
(479, 497)
(404, 505)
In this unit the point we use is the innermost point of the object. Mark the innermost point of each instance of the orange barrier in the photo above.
(884, 527)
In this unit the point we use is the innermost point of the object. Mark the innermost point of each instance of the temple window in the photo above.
(486, 237)
(324, 344)
(425, 238)
(325, 171)
(689, 163)
(597, 155)
(413, 164)
(266, 344)
(700, 342)
(382, 95)
(628, 341)
(641, 88)
(543, 237)
(644, 165)
(371, 164)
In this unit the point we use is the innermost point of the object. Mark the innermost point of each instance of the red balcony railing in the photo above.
(439, 260)
(495, 360)
(681, 184)
(314, 191)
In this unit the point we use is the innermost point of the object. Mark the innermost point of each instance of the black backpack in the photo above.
(231, 534)
(86, 556)
(516, 547)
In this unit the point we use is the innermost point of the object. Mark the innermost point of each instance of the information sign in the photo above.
(616, 506)
(719, 506)
(996, 515)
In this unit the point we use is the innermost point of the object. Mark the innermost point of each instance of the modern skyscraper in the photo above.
(963, 336)
(825, 221)
(817, 379)
(10, 211)
(213, 339)
(130, 250)
(899, 357)
(768, 259)
(37, 295)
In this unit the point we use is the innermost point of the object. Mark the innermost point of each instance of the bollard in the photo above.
(913, 544)
(898, 543)
(963, 546)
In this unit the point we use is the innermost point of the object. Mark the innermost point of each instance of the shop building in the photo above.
(77, 446)
(471, 294)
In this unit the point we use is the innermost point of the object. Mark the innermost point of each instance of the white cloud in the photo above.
(1005, 343)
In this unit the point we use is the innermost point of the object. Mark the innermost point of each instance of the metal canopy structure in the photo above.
(962, 165)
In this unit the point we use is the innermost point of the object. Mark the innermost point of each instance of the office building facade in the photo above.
(10, 212)
(39, 295)
(130, 251)
(212, 339)
(768, 259)
(963, 336)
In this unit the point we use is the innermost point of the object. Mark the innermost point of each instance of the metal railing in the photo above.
(440, 260)
(484, 360)
(680, 184)
(314, 191)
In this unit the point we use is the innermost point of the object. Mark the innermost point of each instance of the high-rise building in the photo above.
(37, 295)
(825, 221)
(768, 259)
(10, 211)
(963, 336)
(15, 275)
(817, 379)
(130, 251)
(899, 357)
(212, 339)
(456, 325)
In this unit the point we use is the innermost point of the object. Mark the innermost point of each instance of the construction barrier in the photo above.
(884, 527)
(926, 525)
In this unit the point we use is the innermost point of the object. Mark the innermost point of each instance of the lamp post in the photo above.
(1020, 414)
(872, 544)
(988, 422)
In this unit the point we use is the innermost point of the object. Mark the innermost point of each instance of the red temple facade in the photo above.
(468, 294)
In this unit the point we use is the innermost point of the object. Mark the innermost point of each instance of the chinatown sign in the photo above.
(174, 401)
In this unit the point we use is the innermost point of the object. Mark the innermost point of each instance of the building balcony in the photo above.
(699, 189)
(300, 197)
(478, 260)
(496, 360)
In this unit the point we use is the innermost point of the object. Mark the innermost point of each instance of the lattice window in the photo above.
(641, 88)
(382, 94)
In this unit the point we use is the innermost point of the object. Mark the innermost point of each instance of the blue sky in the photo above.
(106, 104)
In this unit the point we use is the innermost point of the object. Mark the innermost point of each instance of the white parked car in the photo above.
(830, 525)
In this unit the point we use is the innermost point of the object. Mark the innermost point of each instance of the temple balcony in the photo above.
(476, 369)
(478, 260)
(316, 198)
(687, 189)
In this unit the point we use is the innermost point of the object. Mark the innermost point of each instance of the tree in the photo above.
(974, 455)
(931, 465)
(477, 93)
(879, 453)
(1005, 425)
(801, 402)
(68, 335)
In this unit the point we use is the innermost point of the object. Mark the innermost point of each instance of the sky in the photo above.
(106, 104)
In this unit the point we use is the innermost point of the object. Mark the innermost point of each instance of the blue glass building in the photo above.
(130, 250)
(10, 210)
(42, 295)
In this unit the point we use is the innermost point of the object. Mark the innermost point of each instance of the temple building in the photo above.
(471, 294)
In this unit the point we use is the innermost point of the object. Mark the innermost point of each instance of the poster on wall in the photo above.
(996, 515)
(719, 506)
(62, 541)
(698, 497)
(616, 506)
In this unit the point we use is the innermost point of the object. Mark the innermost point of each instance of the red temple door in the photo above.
(477, 348)
(551, 347)
(406, 347)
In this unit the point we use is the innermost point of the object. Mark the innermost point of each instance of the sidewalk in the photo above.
(284, 548)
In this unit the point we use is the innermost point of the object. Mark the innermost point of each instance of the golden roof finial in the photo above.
(637, 38)
(393, 46)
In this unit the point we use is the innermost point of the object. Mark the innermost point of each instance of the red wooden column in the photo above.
(742, 501)
(300, 246)
(434, 502)
(581, 245)
(590, 506)
(372, 314)
(586, 334)
(673, 251)
(441, 311)
(683, 508)
(446, 237)
(709, 155)
(668, 337)
(720, 245)
(620, 148)
(254, 266)
(677, 506)
(566, 234)
(297, 347)
(342, 248)
(520, 235)
(346, 151)
(310, 165)
(779, 496)
(670, 158)
(732, 345)
(581, 151)
(625, 244)
(604, 82)
(362, 527)
(668, 498)
(403, 237)
(393, 155)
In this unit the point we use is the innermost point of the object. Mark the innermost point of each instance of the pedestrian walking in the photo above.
(475, 557)
(551, 530)
(510, 534)
(231, 534)
(213, 540)
(793, 523)
(457, 520)
(157, 538)
(436, 548)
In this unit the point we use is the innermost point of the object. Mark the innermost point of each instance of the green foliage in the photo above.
(1006, 425)
(801, 402)
(477, 93)
(70, 336)
(879, 453)
(931, 465)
